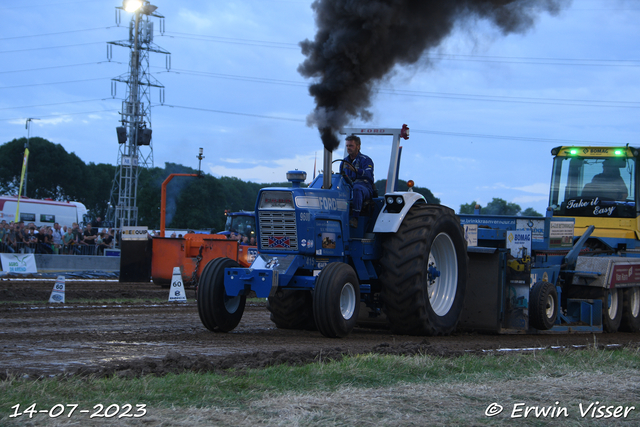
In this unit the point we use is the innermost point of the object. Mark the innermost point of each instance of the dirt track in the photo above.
(41, 339)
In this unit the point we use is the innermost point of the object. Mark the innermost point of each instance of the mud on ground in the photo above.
(131, 339)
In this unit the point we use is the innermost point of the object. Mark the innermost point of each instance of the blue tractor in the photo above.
(242, 223)
(405, 262)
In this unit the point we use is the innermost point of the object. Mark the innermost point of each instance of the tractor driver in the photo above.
(361, 174)
(608, 185)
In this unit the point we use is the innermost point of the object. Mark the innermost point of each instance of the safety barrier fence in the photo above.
(44, 248)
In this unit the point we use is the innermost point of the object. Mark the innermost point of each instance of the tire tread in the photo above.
(538, 306)
(404, 260)
(292, 310)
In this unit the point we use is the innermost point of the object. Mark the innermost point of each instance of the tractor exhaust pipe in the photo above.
(326, 169)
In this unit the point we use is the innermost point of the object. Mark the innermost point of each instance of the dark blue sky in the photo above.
(484, 114)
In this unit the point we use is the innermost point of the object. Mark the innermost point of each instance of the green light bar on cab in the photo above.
(590, 152)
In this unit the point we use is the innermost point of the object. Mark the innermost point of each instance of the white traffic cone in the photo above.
(57, 295)
(177, 293)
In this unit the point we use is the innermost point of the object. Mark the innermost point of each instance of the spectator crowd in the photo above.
(68, 240)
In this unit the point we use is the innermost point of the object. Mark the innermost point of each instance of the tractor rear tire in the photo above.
(543, 306)
(612, 310)
(292, 310)
(424, 272)
(630, 310)
(218, 311)
(336, 300)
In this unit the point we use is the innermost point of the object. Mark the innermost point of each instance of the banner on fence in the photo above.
(135, 233)
(18, 263)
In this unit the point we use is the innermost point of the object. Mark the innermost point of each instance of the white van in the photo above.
(42, 212)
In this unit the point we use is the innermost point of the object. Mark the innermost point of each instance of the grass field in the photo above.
(570, 388)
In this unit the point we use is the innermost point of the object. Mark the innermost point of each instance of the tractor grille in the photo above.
(278, 230)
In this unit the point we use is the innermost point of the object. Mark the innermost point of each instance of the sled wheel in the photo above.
(612, 310)
(424, 274)
(543, 306)
(336, 300)
(218, 311)
(630, 310)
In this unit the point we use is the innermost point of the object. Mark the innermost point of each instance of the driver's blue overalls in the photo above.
(362, 181)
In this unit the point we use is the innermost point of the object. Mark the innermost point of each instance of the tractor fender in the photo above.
(389, 222)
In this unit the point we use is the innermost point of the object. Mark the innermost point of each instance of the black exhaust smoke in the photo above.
(359, 41)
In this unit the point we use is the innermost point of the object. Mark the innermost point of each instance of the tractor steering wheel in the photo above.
(344, 175)
(353, 168)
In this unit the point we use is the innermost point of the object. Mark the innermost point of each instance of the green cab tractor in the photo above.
(598, 186)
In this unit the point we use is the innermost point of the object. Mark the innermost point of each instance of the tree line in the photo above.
(498, 207)
(55, 174)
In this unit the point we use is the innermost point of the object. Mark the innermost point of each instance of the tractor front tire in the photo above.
(630, 310)
(424, 272)
(543, 306)
(336, 300)
(218, 311)
(292, 310)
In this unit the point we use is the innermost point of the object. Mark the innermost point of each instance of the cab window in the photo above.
(598, 187)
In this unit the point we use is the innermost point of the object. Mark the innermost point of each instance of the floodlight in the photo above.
(144, 136)
(131, 5)
(122, 134)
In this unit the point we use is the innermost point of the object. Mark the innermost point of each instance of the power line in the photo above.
(443, 56)
(442, 95)
(60, 115)
(50, 47)
(287, 45)
(525, 61)
(260, 43)
(516, 138)
(235, 39)
(61, 32)
(235, 113)
(434, 132)
(514, 99)
(31, 6)
(236, 77)
(58, 103)
(532, 58)
(61, 66)
(605, 10)
(55, 83)
(388, 91)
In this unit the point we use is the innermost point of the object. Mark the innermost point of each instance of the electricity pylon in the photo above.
(135, 147)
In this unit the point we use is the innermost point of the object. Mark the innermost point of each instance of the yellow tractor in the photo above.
(598, 186)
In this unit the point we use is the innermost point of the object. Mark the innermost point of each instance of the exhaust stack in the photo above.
(326, 166)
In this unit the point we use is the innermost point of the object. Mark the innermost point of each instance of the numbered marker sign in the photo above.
(177, 293)
(57, 295)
